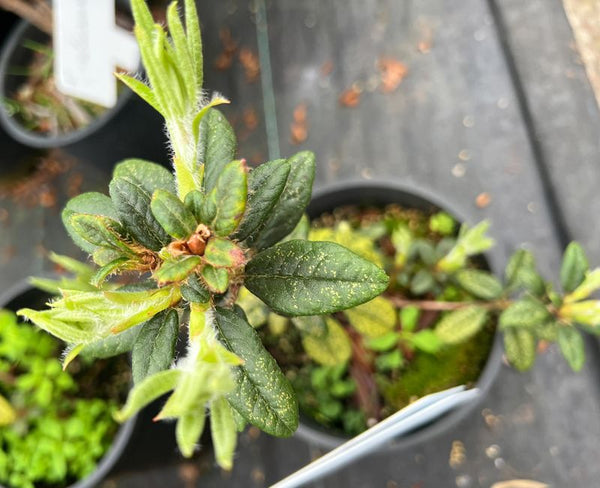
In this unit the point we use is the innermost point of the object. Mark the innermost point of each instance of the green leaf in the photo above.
(230, 198)
(409, 318)
(422, 282)
(481, 284)
(427, 341)
(194, 202)
(470, 242)
(222, 252)
(154, 348)
(442, 223)
(172, 214)
(586, 312)
(147, 391)
(574, 267)
(177, 270)
(384, 342)
(184, 60)
(99, 231)
(290, 206)
(572, 347)
(7, 413)
(256, 311)
(194, 290)
(374, 318)
(142, 90)
(194, 40)
(330, 349)
(389, 361)
(142, 16)
(524, 314)
(82, 270)
(519, 346)
(216, 147)
(134, 181)
(521, 273)
(313, 278)
(217, 279)
(113, 267)
(265, 185)
(87, 203)
(460, 325)
(590, 284)
(223, 431)
(113, 345)
(263, 396)
(188, 431)
(425, 250)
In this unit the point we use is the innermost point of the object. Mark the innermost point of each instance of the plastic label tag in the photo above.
(88, 47)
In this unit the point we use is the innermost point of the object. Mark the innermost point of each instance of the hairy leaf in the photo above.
(313, 278)
(194, 201)
(479, 283)
(589, 285)
(230, 198)
(470, 242)
(330, 349)
(574, 267)
(188, 431)
(374, 318)
(290, 206)
(134, 181)
(572, 347)
(87, 203)
(223, 431)
(154, 348)
(113, 345)
(265, 185)
(194, 290)
(263, 396)
(216, 147)
(105, 271)
(99, 231)
(172, 214)
(460, 325)
(519, 346)
(147, 391)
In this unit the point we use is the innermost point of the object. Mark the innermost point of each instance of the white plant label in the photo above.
(88, 47)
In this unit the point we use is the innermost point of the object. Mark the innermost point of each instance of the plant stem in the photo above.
(435, 305)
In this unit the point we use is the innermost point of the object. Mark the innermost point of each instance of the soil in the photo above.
(378, 394)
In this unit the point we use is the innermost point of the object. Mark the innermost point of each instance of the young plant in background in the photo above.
(433, 327)
(194, 239)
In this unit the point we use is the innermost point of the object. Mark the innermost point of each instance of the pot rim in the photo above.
(123, 434)
(31, 138)
(310, 431)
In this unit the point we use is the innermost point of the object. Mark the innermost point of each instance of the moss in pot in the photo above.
(56, 427)
(432, 329)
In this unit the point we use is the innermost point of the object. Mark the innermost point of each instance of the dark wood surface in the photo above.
(497, 104)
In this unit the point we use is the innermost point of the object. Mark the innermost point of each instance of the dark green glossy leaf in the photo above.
(479, 283)
(154, 348)
(87, 203)
(519, 346)
(114, 266)
(313, 278)
(99, 231)
(291, 203)
(194, 201)
(172, 214)
(134, 182)
(230, 198)
(460, 325)
(265, 185)
(216, 147)
(574, 267)
(194, 290)
(113, 345)
(263, 395)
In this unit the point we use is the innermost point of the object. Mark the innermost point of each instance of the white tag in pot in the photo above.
(88, 47)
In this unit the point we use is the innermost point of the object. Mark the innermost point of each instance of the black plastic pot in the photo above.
(24, 295)
(129, 129)
(379, 194)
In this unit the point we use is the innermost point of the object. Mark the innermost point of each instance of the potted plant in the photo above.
(35, 113)
(191, 240)
(56, 426)
(434, 326)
